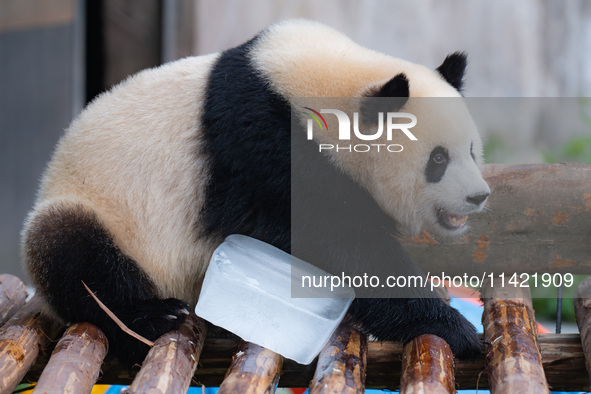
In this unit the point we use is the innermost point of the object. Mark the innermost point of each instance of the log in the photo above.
(341, 363)
(171, 363)
(21, 339)
(76, 361)
(254, 370)
(427, 366)
(513, 358)
(582, 303)
(537, 220)
(562, 355)
(12, 296)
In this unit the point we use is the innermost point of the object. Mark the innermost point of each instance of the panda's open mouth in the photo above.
(451, 221)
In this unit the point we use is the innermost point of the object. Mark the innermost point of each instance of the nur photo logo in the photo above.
(391, 125)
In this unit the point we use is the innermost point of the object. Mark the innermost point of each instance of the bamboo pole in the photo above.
(172, 361)
(582, 303)
(21, 338)
(342, 363)
(562, 356)
(76, 361)
(427, 366)
(513, 358)
(254, 370)
(12, 296)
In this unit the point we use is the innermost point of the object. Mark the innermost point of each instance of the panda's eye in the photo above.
(439, 158)
(437, 164)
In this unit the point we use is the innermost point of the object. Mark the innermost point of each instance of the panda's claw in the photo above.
(151, 319)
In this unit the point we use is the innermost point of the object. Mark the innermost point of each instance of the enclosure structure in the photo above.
(538, 219)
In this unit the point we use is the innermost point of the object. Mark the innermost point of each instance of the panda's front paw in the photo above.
(156, 317)
(150, 319)
(461, 336)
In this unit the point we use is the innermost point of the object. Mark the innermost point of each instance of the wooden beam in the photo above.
(254, 370)
(537, 220)
(562, 359)
(342, 363)
(21, 339)
(582, 303)
(427, 367)
(12, 296)
(171, 363)
(76, 361)
(513, 359)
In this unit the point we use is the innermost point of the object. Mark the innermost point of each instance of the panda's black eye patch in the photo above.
(437, 164)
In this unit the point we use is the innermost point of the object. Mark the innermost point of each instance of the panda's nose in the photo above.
(477, 199)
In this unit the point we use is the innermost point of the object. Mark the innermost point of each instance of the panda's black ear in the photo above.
(453, 68)
(396, 89)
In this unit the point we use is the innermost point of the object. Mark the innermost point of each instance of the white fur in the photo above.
(148, 122)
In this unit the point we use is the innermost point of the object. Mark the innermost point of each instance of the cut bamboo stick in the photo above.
(254, 370)
(12, 296)
(76, 361)
(171, 363)
(21, 338)
(342, 363)
(427, 367)
(513, 358)
(562, 355)
(582, 303)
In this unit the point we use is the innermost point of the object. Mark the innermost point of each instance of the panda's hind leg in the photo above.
(65, 244)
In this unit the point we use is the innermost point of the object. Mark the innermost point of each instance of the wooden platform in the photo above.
(539, 220)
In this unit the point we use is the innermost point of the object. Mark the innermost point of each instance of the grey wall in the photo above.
(40, 92)
(516, 48)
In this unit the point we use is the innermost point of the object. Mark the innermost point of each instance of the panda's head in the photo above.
(435, 183)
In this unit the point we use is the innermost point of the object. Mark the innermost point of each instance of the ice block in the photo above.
(247, 291)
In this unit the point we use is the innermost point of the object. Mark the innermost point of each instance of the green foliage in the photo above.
(495, 150)
(577, 150)
(544, 300)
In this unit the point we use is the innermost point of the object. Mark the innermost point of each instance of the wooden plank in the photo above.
(427, 367)
(513, 358)
(582, 303)
(537, 220)
(21, 339)
(254, 370)
(171, 363)
(76, 361)
(342, 363)
(12, 296)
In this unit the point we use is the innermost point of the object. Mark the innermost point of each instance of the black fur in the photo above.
(453, 68)
(397, 88)
(67, 245)
(437, 164)
(248, 142)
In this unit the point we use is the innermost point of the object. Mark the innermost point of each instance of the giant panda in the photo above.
(152, 176)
